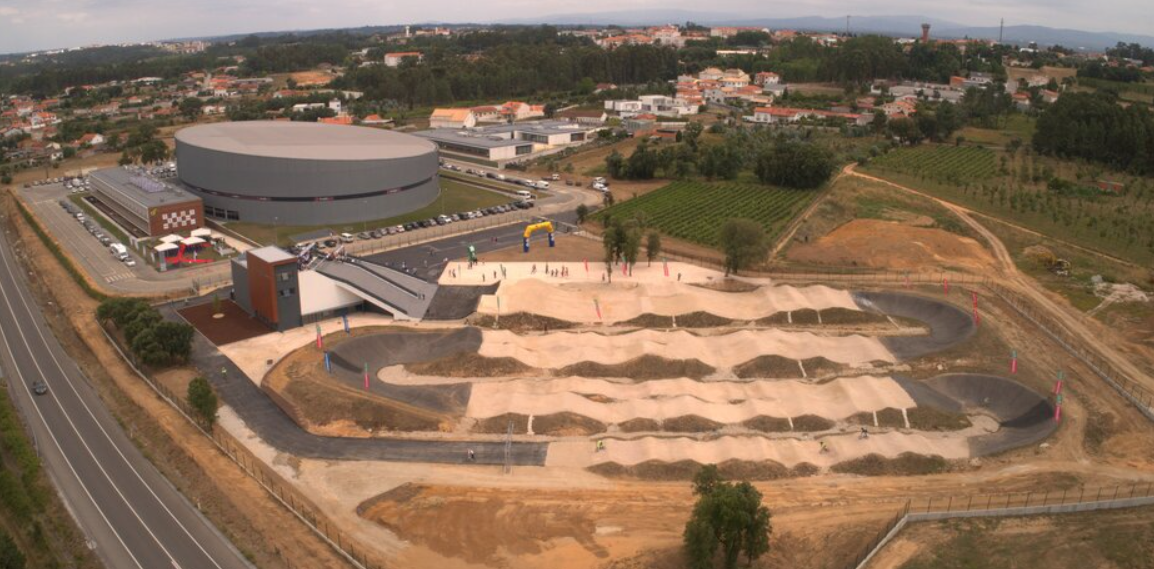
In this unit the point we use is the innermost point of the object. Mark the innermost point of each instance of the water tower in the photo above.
(925, 33)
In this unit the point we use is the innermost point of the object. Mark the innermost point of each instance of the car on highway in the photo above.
(39, 387)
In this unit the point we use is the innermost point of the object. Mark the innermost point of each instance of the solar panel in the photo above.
(148, 185)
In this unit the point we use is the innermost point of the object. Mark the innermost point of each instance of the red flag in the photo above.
(946, 285)
(665, 263)
(320, 344)
(366, 376)
(1014, 362)
(597, 307)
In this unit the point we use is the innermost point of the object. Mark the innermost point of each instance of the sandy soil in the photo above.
(256, 356)
(579, 301)
(724, 402)
(460, 273)
(787, 451)
(559, 349)
(886, 244)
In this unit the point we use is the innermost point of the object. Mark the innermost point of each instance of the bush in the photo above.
(794, 165)
(152, 339)
(202, 399)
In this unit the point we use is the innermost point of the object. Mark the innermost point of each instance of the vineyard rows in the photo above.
(956, 164)
(695, 211)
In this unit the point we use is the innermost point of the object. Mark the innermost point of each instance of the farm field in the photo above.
(695, 211)
(1016, 186)
(953, 164)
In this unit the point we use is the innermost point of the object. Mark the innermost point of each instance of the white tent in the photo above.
(170, 238)
(192, 241)
(163, 247)
(203, 232)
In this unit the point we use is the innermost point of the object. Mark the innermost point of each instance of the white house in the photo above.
(394, 59)
(452, 118)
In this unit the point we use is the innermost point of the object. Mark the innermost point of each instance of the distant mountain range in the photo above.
(887, 25)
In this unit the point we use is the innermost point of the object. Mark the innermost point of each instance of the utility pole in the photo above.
(1001, 28)
(847, 25)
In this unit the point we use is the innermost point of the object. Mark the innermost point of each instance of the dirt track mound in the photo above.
(469, 365)
(521, 322)
(566, 425)
(656, 470)
(949, 325)
(643, 368)
(905, 464)
(769, 367)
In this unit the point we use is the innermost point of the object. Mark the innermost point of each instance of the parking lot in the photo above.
(96, 259)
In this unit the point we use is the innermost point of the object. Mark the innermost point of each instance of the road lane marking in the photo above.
(108, 437)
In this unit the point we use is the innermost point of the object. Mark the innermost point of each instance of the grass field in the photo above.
(1017, 126)
(695, 211)
(1122, 539)
(455, 197)
(1014, 187)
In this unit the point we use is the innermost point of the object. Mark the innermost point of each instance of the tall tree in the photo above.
(744, 243)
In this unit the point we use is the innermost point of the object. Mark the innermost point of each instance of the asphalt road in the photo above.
(131, 515)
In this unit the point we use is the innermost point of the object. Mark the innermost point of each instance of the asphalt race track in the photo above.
(131, 514)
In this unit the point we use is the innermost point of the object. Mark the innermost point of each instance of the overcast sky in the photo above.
(27, 25)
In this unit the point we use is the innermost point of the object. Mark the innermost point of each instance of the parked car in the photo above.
(129, 262)
(364, 235)
(555, 177)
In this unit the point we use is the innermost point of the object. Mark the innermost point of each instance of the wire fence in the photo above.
(1081, 499)
(272, 482)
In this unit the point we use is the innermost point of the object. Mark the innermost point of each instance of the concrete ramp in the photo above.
(402, 295)
(1026, 417)
(949, 325)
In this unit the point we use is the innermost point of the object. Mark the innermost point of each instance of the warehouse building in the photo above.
(144, 204)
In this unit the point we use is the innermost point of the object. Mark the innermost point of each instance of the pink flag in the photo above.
(946, 285)
(366, 376)
(625, 269)
(597, 307)
(665, 263)
(320, 344)
(1014, 362)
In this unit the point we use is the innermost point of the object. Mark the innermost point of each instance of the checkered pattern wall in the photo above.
(177, 219)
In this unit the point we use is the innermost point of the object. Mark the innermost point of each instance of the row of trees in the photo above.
(774, 159)
(152, 339)
(1094, 127)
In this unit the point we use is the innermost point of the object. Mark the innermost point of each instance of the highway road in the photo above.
(131, 515)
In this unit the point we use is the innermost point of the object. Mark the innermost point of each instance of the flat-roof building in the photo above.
(505, 143)
(147, 205)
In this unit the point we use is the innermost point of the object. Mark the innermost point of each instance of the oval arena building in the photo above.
(302, 173)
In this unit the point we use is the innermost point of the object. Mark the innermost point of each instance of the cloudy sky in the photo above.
(40, 24)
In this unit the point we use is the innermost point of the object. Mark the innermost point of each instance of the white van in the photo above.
(542, 184)
(118, 249)
(525, 194)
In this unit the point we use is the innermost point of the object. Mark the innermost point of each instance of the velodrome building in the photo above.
(302, 173)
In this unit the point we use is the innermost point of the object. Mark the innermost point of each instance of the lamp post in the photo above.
(275, 231)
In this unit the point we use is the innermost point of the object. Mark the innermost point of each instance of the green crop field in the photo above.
(695, 211)
(953, 164)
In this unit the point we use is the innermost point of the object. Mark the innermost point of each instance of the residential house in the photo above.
(92, 139)
(730, 31)
(452, 118)
(394, 59)
(487, 114)
(583, 116)
(764, 78)
(375, 120)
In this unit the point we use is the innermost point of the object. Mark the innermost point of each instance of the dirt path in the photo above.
(1099, 338)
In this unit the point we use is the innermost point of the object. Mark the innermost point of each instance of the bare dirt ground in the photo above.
(878, 244)
(234, 501)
